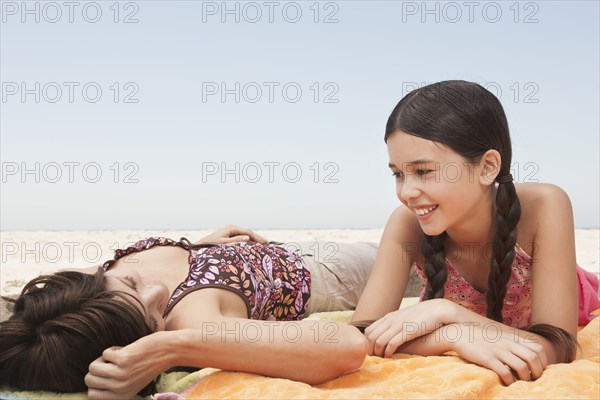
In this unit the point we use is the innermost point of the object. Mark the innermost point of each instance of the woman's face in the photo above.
(434, 182)
(152, 295)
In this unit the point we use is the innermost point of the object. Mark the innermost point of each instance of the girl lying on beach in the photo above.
(498, 258)
(148, 299)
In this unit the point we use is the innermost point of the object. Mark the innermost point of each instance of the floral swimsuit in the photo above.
(516, 311)
(273, 282)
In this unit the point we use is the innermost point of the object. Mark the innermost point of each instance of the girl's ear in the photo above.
(490, 167)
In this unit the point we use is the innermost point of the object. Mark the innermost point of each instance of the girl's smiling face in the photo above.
(152, 296)
(441, 187)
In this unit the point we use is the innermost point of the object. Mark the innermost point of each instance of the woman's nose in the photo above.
(152, 292)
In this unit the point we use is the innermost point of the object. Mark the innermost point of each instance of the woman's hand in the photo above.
(121, 372)
(398, 327)
(513, 355)
(232, 233)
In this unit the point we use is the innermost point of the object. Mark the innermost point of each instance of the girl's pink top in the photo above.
(516, 311)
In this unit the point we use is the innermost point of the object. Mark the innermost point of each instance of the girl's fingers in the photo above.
(375, 330)
(369, 329)
(539, 350)
(379, 326)
(504, 372)
(519, 368)
(394, 343)
(532, 360)
(381, 338)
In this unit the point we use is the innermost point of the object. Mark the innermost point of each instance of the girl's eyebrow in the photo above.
(417, 162)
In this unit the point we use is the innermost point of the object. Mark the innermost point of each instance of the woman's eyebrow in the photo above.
(127, 283)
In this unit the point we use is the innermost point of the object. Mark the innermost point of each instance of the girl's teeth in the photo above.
(424, 211)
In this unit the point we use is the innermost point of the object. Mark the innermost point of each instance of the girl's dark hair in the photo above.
(566, 345)
(470, 120)
(60, 327)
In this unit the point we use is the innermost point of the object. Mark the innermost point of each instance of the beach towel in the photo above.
(402, 376)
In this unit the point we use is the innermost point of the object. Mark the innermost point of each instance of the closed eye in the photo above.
(134, 284)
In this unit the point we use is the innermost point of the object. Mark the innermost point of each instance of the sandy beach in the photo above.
(27, 254)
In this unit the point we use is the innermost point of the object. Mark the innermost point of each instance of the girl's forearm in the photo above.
(432, 344)
(465, 317)
(307, 351)
(447, 337)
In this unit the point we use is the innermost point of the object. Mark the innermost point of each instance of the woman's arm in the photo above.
(307, 351)
(400, 243)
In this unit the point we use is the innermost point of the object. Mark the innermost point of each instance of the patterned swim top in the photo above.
(516, 310)
(273, 282)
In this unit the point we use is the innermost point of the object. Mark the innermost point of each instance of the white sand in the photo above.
(25, 255)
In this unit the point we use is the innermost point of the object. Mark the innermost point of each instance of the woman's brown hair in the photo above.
(61, 323)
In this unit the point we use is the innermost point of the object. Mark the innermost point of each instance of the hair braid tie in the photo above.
(508, 178)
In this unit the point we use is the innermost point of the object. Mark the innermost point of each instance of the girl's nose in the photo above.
(408, 190)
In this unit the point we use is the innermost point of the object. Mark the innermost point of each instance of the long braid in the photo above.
(434, 253)
(508, 212)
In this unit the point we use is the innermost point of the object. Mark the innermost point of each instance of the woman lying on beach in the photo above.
(498, 258)
(148, 299)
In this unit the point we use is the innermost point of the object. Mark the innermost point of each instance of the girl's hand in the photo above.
(231, 234)
(121, 372)
(401, 326)
(508, 353)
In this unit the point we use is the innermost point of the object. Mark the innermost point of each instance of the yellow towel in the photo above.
(417, 377)
(403, 376)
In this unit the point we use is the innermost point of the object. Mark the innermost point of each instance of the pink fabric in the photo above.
(588, 295)
(516, 310)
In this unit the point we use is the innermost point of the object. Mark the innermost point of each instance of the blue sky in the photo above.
(173, 115)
